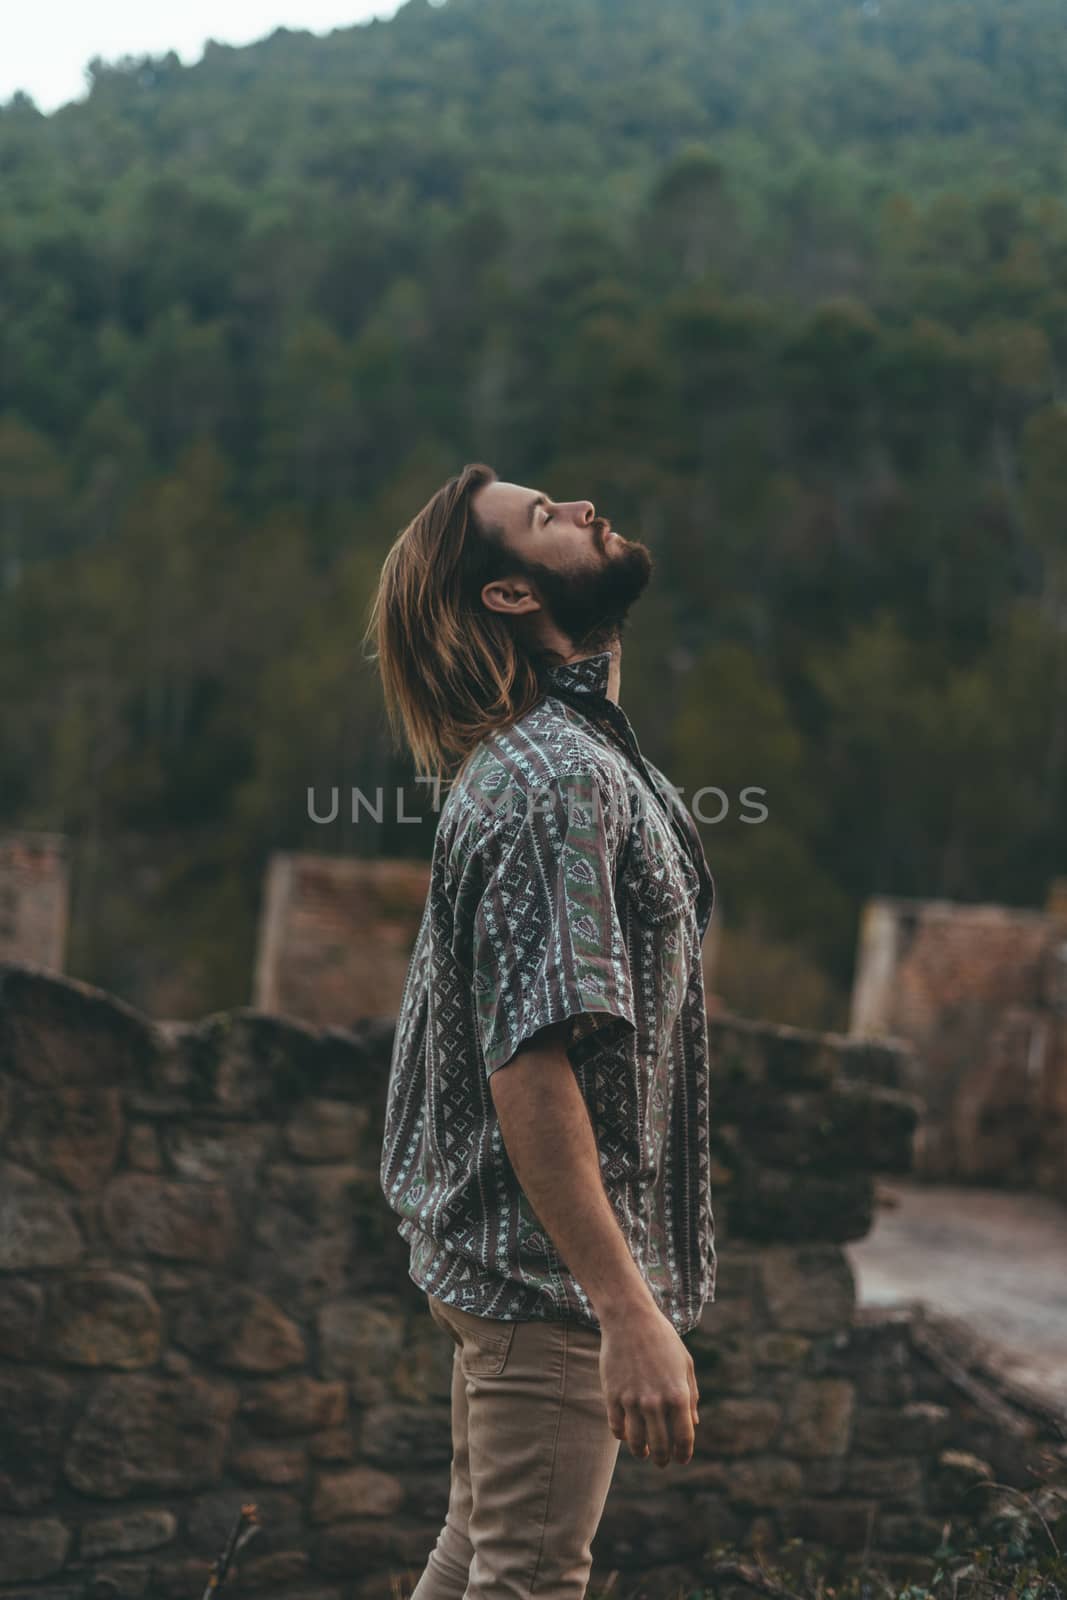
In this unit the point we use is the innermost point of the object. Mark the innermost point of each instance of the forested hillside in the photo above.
(780, 284)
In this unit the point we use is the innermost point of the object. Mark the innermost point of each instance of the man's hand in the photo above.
(649, 1385)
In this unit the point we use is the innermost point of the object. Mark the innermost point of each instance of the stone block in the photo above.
(738, 1426)
(780, 1349)
(56, 1031)
(101, 1319)
(293, 1405)
(328, 1131)
(724, 1363)
(122, 1580)
(35, 1407)
(236, 1327)
(272, 1464)
(772, 1204)
(808, 1288)
(143, 1153)
(37, 1223)
(179, 1579)
(721, 1317)
(919, 1426)
(876, 1354)
(426, 1494)
(141, 1434)
(401, 1436)
(357, 1545)
(32, 1547)
(306, 1230)
(736, 1275)
(126, 1533)
(219, 1152)
(248, 1063)
(762, 1481)
(886, 1062)
(255, 1572)
(824, 1475)
(818, 1417)
(21, 1315)
(145, 1215)
(361, 1342)
(69, 1132)
(894, 1480)
(332, 1444)
(357, 1492)
(856, 1126)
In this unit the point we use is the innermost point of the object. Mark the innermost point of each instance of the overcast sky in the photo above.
(47, 44)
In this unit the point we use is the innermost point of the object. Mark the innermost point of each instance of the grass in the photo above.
(1018, 1551)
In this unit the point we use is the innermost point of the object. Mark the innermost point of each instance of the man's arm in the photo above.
(549, 1137)
(647, 1374)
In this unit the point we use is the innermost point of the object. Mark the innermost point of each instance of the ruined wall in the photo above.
(336, 935)
(204, 1302)
(980, 992)
(34, 898)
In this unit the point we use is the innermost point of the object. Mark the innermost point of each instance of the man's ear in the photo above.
(511, 596)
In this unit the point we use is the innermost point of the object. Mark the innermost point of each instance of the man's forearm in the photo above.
(546, 1129)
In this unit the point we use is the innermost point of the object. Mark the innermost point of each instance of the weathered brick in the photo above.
(358, 1492)
(818, 1417)
(125, 1533)
(142, 1434)
(32, 1548)
(101, 1319)
(235, 1326)
(37, 1223)
(293, 1405)
(146, 1215)
(737, 1426)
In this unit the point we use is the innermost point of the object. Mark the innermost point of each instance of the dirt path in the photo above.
(995, 1257)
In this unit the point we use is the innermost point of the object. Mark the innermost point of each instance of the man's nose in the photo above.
(583, 511)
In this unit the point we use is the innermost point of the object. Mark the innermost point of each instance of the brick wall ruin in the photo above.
(204, 1302)
(980, 992)
(34, 898)
(336, 935)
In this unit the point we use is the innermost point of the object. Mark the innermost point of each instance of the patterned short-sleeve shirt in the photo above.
(566, 886)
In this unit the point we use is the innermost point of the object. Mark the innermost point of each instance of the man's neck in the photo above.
(615, 675)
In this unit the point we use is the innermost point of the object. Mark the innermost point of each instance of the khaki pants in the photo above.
(532, 1461)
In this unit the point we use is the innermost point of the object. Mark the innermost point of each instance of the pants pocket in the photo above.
(485, 1342)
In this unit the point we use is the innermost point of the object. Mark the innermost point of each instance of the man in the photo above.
(546, 1137)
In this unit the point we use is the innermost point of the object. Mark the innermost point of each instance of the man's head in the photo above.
(571, 579)
(487, 585)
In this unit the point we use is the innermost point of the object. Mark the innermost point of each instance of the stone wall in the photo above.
(980, 992)
(204, 1303)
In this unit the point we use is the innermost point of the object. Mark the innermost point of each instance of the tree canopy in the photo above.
(781, 285)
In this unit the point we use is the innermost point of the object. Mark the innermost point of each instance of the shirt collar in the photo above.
(588, 677)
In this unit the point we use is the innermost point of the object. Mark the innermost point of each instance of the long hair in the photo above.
(452, 670)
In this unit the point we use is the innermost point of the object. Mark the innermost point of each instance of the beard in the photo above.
(590, 604)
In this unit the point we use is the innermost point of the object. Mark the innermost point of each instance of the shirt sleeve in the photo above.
(546, 944)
